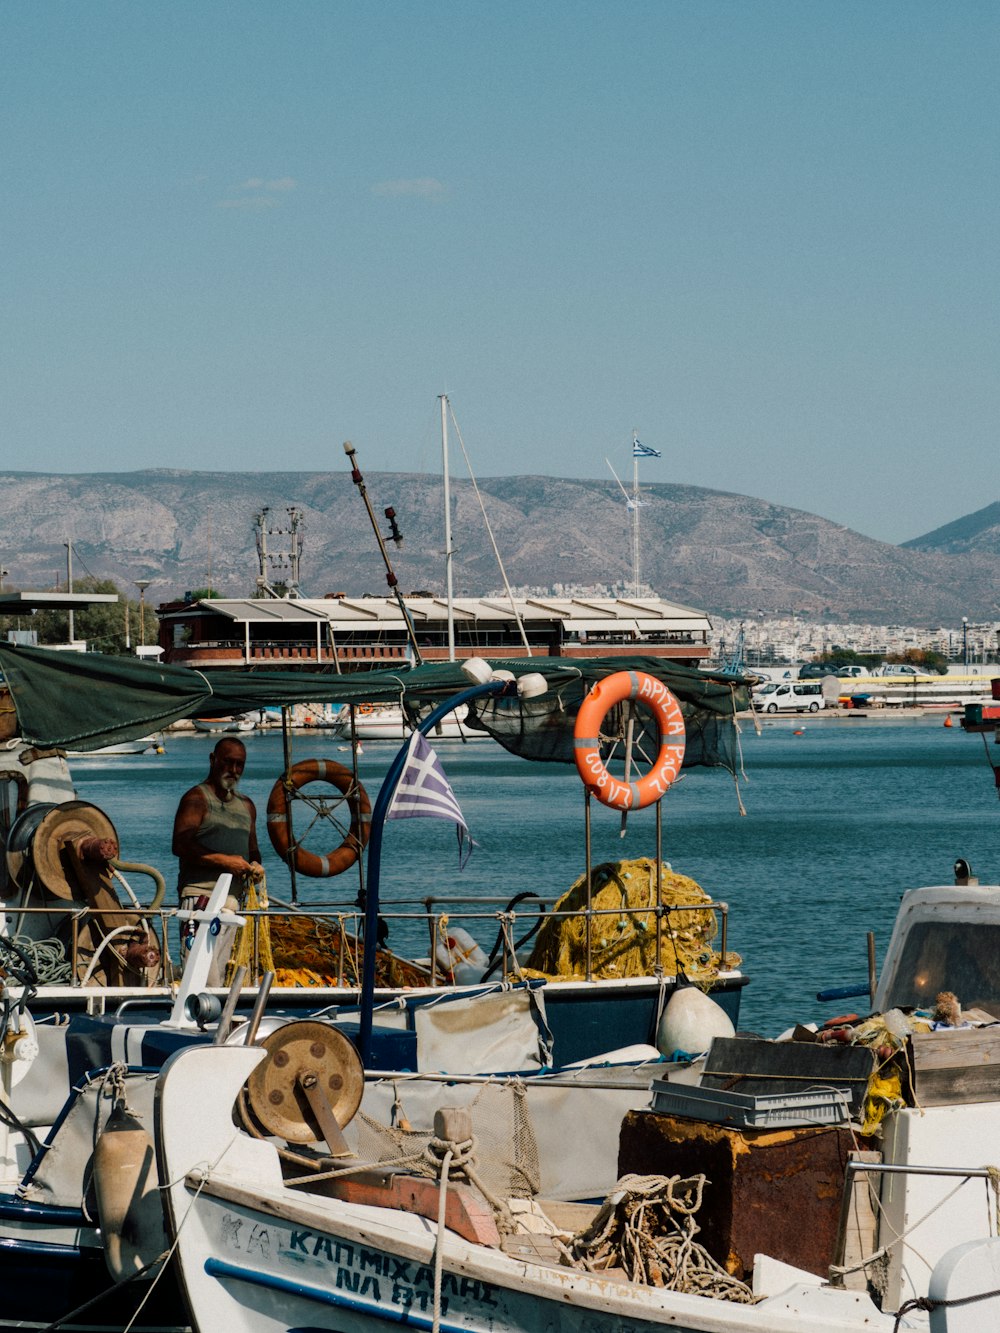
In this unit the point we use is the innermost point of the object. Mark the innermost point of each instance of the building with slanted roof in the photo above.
(351, 633)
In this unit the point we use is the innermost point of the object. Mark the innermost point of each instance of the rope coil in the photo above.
(646, 1227)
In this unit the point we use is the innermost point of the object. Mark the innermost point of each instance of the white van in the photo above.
(789, 696)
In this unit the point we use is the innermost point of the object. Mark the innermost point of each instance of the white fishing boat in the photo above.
(268, 1240)
(388, 722)
(595, 1160)
(223, 725)
(289, 1231)
(143, 745)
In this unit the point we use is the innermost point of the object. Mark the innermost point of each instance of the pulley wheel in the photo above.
(273, 1095)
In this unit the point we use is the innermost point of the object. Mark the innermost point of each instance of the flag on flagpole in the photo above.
(640, 450)
(423, 792)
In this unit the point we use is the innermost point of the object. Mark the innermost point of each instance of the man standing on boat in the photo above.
(215, 833)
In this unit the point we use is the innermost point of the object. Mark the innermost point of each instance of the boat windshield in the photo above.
(962, 957)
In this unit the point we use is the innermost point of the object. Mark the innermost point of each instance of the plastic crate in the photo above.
(813, 1106)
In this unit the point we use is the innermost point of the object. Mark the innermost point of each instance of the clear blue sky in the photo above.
(764, 235)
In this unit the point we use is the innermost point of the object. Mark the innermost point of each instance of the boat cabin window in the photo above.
(962, 957)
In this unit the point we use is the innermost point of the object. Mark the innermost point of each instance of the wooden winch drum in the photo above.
(17, 854)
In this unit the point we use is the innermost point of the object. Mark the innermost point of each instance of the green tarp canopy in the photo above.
(81, 701)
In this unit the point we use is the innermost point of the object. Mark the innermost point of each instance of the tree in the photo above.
(106, 627)
(848, 657)
(926, 658)
(102, 626)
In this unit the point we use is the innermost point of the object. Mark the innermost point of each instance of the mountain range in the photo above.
(721, 552)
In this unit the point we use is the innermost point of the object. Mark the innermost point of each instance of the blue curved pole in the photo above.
(379, 812)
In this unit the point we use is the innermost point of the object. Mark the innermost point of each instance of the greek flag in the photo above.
(640, 450)
(423, 792)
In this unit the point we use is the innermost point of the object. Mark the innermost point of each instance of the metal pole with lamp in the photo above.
(965, 641)
(142, 585)
(528, 686)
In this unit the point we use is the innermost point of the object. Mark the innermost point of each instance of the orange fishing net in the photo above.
(315, 951)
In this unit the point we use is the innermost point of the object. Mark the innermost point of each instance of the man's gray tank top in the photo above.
(226, 829)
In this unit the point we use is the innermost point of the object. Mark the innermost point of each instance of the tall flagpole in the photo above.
(448, 550)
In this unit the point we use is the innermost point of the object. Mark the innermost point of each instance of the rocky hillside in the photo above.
(976, 533)
(725, 553)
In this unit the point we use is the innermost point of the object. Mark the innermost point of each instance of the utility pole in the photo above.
(266, 558)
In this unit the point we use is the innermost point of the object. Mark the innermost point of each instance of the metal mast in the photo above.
(635, 516)
(448, 549)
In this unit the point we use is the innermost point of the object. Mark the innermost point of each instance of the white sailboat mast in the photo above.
(635, 516)
(448, 552)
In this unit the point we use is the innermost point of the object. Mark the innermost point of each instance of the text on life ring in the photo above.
(615, 689)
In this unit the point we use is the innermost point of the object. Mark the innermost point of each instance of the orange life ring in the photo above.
(306, 862)
(615, 689)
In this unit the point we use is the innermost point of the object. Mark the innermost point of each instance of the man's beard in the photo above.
(228, 784)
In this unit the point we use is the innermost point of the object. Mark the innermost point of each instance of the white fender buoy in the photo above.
(18, 1049)
(690, 1021)
(461, 956)
(128, 1200)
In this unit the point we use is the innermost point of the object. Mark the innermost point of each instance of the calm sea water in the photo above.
(841, 818)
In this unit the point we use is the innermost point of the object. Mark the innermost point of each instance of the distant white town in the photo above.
(763, 638)
(770, 640)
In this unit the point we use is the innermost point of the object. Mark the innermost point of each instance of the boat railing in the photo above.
(347, 919)
(856, 1166)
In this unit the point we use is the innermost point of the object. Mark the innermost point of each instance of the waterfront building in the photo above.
(349, 633)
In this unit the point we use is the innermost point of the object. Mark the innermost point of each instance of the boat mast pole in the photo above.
(390, 576)
(448, 550)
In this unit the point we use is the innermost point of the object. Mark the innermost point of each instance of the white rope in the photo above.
(48, 958)
(117, 874)
(646, 1226)
(105, 942)
(489, 529)
(883, 1250)
(439, 1241)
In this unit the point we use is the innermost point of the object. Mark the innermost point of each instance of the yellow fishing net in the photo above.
(243, 950)
(886, 1036)
(623, 943)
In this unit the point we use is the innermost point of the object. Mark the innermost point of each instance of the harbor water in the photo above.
(841, 817)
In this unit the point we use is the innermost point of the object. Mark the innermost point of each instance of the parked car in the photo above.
(792, 696)
(816, 670)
